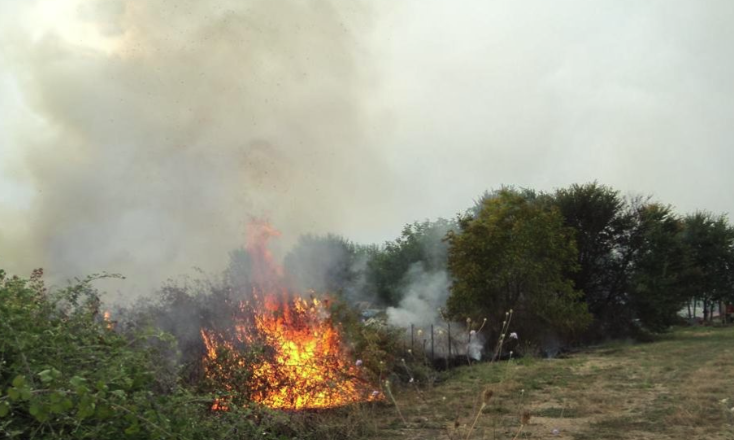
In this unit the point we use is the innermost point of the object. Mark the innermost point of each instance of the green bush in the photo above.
(66, 372)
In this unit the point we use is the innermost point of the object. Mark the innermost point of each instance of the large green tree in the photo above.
(710, 242)
(605, 231)
(514, 253)
(657, 285)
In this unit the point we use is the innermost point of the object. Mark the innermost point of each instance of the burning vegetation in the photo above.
(281, 350)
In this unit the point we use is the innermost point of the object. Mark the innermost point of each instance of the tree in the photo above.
(657, 292)
(322, 263)
(514, 253)
(710, 242)
(606, 230)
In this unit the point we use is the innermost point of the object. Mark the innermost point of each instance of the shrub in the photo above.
(66, 372)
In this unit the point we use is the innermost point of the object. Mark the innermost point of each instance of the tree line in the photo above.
(578, 264)
(574, 265)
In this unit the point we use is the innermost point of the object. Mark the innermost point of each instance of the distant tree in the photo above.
(514, 253)
(660, 267)
(322, 263)
(606, 233)
(419, 242)
(710, 242)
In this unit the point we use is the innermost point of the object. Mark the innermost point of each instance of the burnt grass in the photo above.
(681, 386)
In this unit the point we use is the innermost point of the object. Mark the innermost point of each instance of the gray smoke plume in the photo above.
(424, 293)
(424, 296)
(147, 156)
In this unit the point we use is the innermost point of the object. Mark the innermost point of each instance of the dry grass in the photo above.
(680, 387)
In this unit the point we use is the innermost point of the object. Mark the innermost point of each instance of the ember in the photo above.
(303, 363)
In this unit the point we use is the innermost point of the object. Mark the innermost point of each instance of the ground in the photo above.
(679, 387)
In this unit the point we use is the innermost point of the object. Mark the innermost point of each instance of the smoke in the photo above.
(475, 346)
(426, 283)
(424, 294)
(319, 263)
(161, 127)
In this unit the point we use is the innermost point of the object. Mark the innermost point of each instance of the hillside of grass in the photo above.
(679, 387)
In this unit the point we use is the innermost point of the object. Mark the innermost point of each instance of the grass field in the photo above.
(680, 387)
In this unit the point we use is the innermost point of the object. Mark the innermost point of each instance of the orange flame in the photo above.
(106, 318)
(304, 363)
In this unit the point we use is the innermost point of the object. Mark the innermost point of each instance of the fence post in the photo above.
(412, 339)
(433, 359)
(448, 324)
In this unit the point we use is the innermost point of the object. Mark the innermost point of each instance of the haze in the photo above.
(140, 137)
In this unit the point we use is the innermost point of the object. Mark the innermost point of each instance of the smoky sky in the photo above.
(147, 155)
(544, 94)
(151, 157)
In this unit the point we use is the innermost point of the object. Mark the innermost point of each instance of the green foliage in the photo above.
(514, 254)
(710, 244)
(657, 290)
(633, 262)
(67, 373)
(605, 232)
(375, 343)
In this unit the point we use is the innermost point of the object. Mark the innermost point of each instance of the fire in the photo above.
(283, 350)
(108, 322)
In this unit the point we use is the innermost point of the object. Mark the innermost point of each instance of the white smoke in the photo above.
(160, 127)
(424, 294)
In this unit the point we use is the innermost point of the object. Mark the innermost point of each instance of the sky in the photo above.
(140, 137)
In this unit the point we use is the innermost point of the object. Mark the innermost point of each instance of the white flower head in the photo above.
(513, 335)
(555, 431)
(359, 362)
(473, 332)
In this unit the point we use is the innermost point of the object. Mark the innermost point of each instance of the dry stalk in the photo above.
(503, 332)
(524, 420)
(481, 408)
(395, 402)
(486, 397)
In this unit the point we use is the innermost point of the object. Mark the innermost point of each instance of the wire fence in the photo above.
(442, 345)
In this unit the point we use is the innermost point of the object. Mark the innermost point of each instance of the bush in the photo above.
(66, 372)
